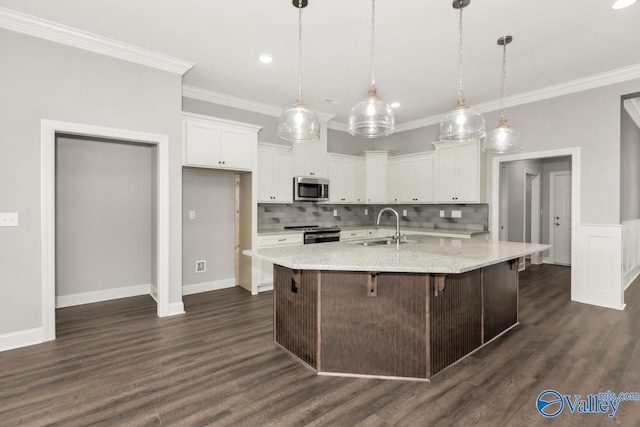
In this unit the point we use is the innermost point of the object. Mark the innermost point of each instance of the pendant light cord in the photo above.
(460, 94)
(504, 79)
(373, 49)
(300, 49)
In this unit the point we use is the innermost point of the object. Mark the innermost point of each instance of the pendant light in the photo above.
(297, 123)
(503, 139)
(372, 117)
(462, 123)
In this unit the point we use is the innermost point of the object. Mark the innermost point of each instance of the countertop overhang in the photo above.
(424, 254)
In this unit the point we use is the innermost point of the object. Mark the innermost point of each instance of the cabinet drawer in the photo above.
(279, 240)
(346, 235)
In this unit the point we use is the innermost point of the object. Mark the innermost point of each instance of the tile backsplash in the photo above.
(274, 217)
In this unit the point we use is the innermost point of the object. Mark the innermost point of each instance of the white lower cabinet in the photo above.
(346, 235)
(269, 241)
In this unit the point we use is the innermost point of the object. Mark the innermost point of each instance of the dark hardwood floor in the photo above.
(117, 364)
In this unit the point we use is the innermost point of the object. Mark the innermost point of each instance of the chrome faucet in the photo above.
(397, 235)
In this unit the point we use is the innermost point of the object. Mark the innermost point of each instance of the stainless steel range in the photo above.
(317, 234)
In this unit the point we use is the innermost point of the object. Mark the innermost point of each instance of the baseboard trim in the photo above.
(175, 309)
(547, 260)
(631, 277)
(19, 339)
(104, 295)
(215, 285)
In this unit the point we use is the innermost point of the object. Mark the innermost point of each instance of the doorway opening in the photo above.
(49, 133)
(521, 207)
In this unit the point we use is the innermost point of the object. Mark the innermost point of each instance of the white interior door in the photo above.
(561, 210)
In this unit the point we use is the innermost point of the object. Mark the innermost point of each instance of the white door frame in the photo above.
(48, 131)
(534, 213)
(552, 206)
(575, 198)
(503, 196)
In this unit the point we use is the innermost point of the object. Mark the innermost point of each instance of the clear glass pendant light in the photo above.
(372, 117)
(462, 123)
(503, 139)
(298, 123)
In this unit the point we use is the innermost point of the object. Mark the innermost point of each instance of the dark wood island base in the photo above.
(391, 325)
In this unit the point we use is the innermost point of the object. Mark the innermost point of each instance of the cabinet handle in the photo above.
(282, 240)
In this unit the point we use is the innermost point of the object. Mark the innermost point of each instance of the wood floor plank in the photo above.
(117, 364)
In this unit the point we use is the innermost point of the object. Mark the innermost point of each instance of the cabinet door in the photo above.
(446, 173)
(202, 144)
(265, 176)
(393, 195)
(376, 179)
(310, 158)
(424, 179)
(361, 181)
(235, 149)
(281, 177)
(407, 181)
(468, 178)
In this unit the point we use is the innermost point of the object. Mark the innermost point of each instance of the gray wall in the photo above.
(47, 80)
(629, 168)
(104, 211)
(211, 235)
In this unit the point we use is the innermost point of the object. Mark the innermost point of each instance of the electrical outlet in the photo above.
(335, 212)
(456, 214)
(201, 266)
(366, 211)
(441, 214)
(8, 219)
(404, 212)
(192, 214)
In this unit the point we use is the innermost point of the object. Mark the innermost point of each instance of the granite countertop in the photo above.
(423, 254)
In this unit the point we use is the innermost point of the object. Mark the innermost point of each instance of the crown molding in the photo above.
(591, 82)
(52, 31)
(240, 103)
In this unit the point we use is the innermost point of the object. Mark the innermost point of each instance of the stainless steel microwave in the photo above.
(310, 189)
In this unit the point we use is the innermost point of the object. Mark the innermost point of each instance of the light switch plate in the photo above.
(8, 219)
(366, 211)
(441, 214)
(192, 214)
(404, 212)
(456, 214)
(335, 212)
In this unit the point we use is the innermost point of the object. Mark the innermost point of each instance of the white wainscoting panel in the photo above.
(600, 260)
(98, 296)
(208, 286)
(630, 251)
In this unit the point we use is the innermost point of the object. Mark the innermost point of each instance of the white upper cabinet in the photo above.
(458, 172)
(347, 177)
(343, 179)
(415, 178)
(218, 144)
(361, 181)
(376, 176)
(275, 173)
(393, 195)
(310, 158)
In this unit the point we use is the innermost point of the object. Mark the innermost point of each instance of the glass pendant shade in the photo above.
(502, 139)
(299, 124)
(372, 117)
(461, 124)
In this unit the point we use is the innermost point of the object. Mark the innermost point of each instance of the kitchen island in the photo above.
(402, 312)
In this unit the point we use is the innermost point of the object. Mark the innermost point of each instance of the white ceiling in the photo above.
(416, 45)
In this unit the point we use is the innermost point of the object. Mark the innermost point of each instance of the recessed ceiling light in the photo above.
(395, 104)
(621, 4)
(265, 58)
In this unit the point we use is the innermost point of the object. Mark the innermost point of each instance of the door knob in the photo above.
(557, 223)
(557, 217)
